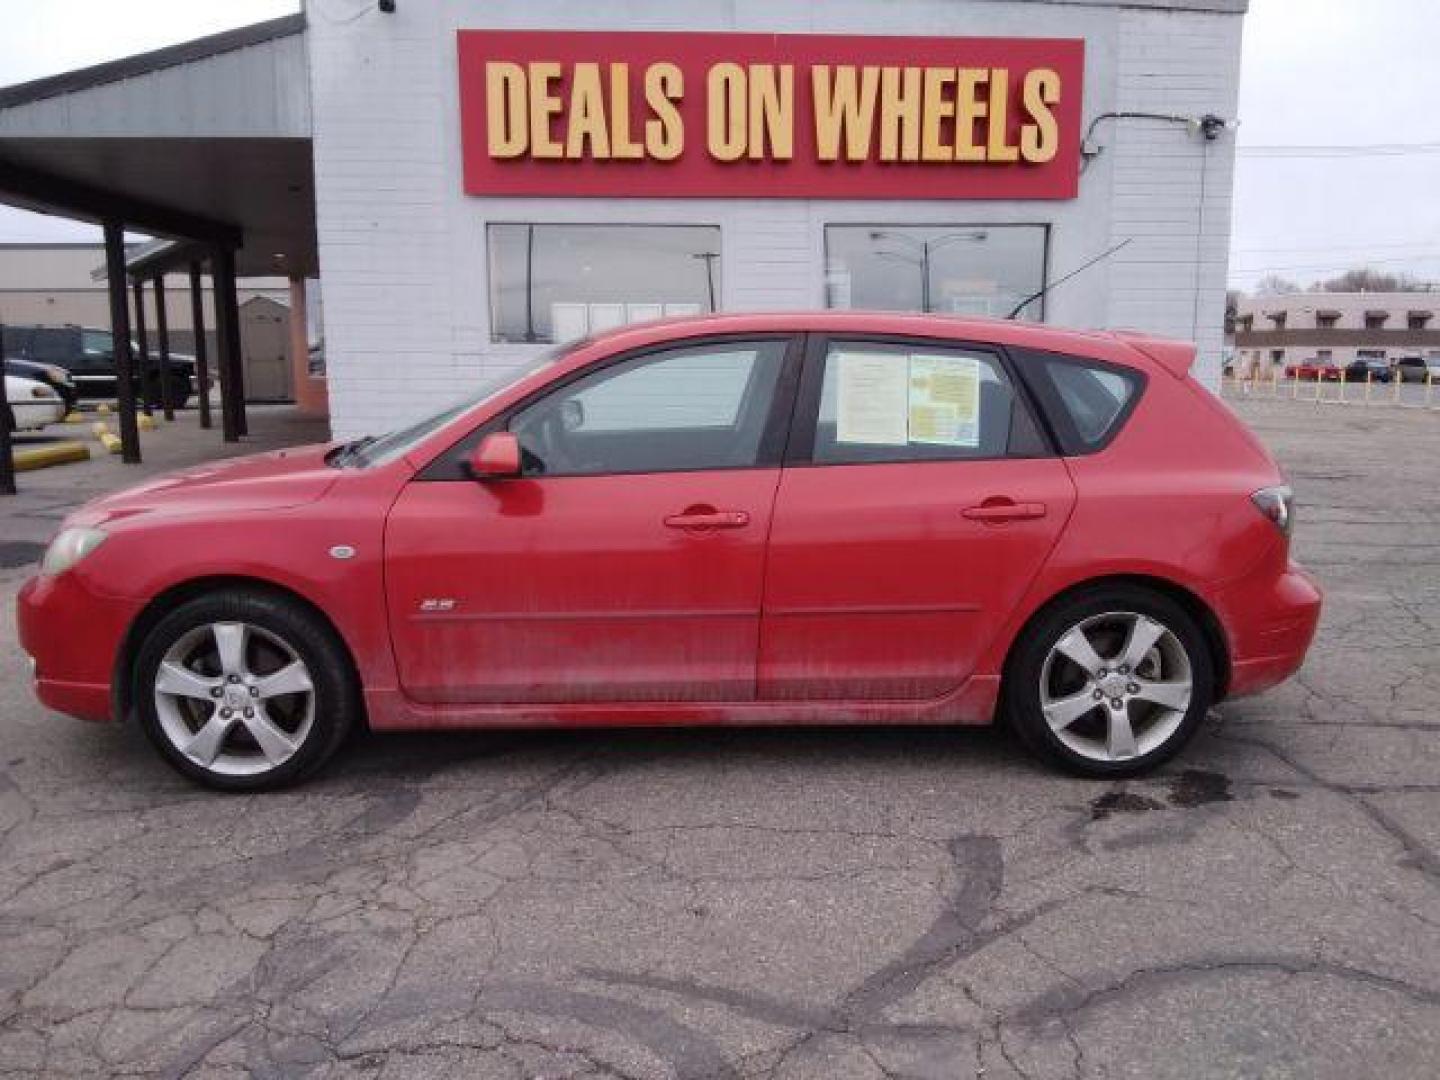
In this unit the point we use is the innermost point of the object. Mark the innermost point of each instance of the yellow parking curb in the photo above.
(42, 457)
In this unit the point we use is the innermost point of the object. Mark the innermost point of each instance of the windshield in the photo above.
(381, 450)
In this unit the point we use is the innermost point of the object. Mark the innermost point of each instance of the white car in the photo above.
(32, 404)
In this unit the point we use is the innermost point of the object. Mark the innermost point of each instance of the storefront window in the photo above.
(956, 269)
(557, 283)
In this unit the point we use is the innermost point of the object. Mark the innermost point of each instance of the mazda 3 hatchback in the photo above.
(836, 518)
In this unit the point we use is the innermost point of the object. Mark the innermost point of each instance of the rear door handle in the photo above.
(695, 518)
(1000, 510)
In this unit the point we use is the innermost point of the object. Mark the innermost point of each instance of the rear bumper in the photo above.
(1271, 626)
(72, 636)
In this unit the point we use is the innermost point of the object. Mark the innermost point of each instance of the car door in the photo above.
(93, 365)
(918, 501)
(626, 562)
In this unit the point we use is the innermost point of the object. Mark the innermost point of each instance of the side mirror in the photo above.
(496, 457)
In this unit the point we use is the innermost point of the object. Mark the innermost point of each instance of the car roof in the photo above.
(1101, 344)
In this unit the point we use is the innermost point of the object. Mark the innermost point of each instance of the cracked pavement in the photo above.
(727, 905)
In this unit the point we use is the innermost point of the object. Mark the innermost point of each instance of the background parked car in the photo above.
(52, 375)
(1416, 368)
(1313, 369)
(32, 404)
(1375, 370)
(89, 355)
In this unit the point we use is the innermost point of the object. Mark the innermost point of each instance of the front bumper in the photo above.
(72, 635)
(1271, 627)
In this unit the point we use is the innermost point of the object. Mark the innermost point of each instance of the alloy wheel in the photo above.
(234, 698)
(1116, 686)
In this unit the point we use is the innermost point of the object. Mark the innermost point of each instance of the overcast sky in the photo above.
(1316, 74)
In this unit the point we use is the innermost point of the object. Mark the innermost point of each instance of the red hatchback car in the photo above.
(836, 518)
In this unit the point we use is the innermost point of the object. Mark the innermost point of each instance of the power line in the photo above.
(1323, 248)
(1353, 264)
(1356, 150)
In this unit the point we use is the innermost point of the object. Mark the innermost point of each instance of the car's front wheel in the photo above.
(244, 690)
(1111, 682)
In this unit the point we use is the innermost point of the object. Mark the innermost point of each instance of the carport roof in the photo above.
(205, 140)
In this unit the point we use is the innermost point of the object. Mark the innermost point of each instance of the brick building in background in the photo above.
(1335, 328)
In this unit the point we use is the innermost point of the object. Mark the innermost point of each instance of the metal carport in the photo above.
(206, 144)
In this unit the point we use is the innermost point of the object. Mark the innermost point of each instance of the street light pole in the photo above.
(926, 248)
(925, 276)
(709, 258)
(529, 282)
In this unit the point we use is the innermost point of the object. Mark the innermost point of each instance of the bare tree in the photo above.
(1232, 308)
(1366, 279)
(1275, 285)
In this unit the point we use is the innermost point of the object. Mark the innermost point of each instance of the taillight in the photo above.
(1278, 504)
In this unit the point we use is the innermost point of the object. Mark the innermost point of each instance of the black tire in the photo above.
(334, 706)
(1022, 701)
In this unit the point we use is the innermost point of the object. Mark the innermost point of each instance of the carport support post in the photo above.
(162, 331)
(120, 330)
(227, 333)
(141, 339)
(7, 461)
(202, 365)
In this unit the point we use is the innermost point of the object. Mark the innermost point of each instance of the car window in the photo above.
(918, 402)
(54, 345)
(1095, 399)
(17, 342)
(686, 408)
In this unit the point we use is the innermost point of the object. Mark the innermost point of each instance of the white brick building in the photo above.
(432, 279)
(1335, 329)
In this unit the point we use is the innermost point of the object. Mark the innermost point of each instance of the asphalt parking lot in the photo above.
(791, 904)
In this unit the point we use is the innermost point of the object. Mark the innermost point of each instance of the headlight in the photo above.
(69, 548)
(59, 374)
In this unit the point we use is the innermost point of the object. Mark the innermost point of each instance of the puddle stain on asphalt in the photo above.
(1191, 788)
(1197, 787)
(1120, 802)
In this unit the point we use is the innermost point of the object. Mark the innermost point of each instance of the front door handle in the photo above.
(707, 517)
(1001, 510)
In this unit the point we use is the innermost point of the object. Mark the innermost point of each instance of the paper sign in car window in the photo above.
(945, 400)
(872, 398)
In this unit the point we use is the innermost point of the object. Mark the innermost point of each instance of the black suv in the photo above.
(89, 355)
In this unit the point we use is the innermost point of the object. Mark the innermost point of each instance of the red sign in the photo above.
(769, 115)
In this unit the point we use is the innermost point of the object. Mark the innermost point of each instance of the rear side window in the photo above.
(1088, 401)
(883, 402)
(54, 346)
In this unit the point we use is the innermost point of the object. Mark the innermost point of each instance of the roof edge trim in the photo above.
(129, 67)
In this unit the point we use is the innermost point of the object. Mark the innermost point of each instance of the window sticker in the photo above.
(872, 399)
(944, 400)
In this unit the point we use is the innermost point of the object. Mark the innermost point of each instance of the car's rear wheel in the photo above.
(1110, 682)
(243, 690)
